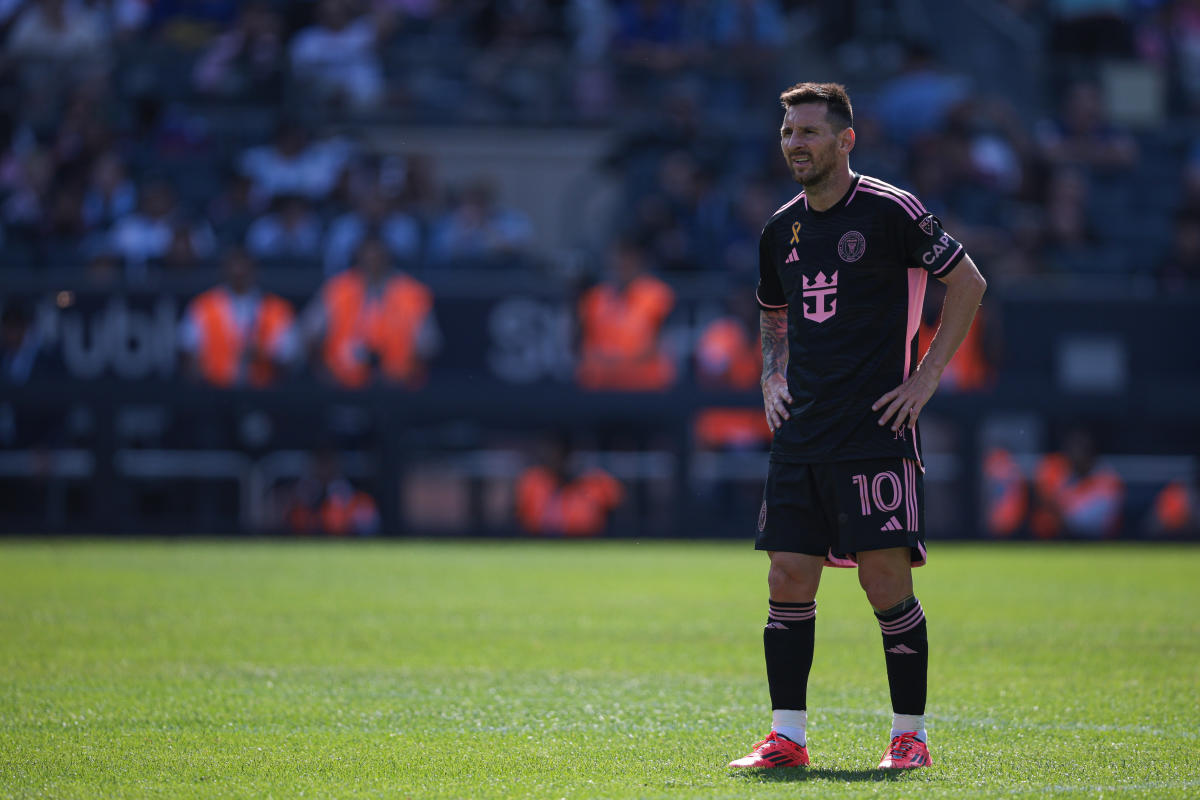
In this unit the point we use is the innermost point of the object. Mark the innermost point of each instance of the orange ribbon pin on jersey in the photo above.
(795, 233)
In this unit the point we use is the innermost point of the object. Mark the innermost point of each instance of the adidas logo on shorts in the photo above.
(892, 524)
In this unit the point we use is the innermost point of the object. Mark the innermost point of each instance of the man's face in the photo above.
(810, 145)
(239, 272)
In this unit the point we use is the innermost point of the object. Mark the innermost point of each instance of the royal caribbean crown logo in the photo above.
(823, 294)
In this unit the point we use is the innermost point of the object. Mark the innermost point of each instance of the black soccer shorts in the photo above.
(838, 509)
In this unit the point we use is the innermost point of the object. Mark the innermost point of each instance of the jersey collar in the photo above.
(840, 204)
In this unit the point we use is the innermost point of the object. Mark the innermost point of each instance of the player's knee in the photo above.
(884, 588)
(785, 584)
(778, 580)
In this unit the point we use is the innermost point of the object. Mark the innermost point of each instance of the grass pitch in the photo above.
(567, 669)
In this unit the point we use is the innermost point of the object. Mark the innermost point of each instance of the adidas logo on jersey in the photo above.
(791, 257)
(892, 524)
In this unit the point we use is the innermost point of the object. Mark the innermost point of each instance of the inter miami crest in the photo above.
(927, 224)
(851, 246)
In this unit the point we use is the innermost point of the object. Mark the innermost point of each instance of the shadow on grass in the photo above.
(797, 774)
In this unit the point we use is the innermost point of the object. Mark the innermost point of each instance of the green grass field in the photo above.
(566, 669)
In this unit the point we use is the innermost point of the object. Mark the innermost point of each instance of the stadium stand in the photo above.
(497, 150)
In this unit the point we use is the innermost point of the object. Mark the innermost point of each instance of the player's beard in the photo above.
(818, 173)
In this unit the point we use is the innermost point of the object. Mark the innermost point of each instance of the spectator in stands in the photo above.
(72, 34)
(111, 193)
(325, 501)
(337, 57)
(28, 183)
(234, 210)
(181, 256)
(1074, 495)
(145, 236)
(246, 60)
(20, 344)
(748, 36)
(517, 55)
(478, 227)
(295, 164)
(1176, 510)
(372, 214)
(621, 323)
(753, 202)
(553, 500)
(1083, 136)
(1068, 232)
(652, 39)
(235, 334)
(921, 84)
(371, 322)
(291, 231)
(1182, 265)
(729, 358)
(590, 25)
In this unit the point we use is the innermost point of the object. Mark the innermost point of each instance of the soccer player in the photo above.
(843, 268)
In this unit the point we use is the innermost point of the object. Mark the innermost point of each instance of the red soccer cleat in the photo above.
(774, 751)
(906, 752)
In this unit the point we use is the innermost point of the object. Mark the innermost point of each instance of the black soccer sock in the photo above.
(906, 648)
(788, 643)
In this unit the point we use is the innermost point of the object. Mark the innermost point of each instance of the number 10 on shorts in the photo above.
(884, 490)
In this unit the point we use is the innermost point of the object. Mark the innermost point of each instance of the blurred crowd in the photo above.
(218, 139)
(139, 136)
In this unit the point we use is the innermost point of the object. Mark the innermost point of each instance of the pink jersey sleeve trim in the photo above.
(909, 198)
(907, 209)
(789, 204)
(767, 305)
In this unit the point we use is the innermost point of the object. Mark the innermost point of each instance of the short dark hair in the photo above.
(833, 95)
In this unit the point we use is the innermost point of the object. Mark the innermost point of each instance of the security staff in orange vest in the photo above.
(1075, 495)
(324, 501)
(1005, 495)
(235, 334)
(371, 321)
(549, 501)
(1176, 509)
(729, 356)
(620, 325)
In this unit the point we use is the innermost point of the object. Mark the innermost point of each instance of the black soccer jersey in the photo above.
(853, 281)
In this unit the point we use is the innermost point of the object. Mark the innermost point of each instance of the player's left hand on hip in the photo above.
(903, 404)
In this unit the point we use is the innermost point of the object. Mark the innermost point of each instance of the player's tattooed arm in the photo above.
(773, 326)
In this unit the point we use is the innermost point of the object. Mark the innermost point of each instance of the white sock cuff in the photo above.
(787, 718)
(909, 722)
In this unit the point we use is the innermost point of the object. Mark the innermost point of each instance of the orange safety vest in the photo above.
(969, 370)
(577, 508)
(1064, 496)
(725, 341)
(223, 345)
(1174, 509)
(343, 511)
(1006, 494)
(387, 326)
(620, 330)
